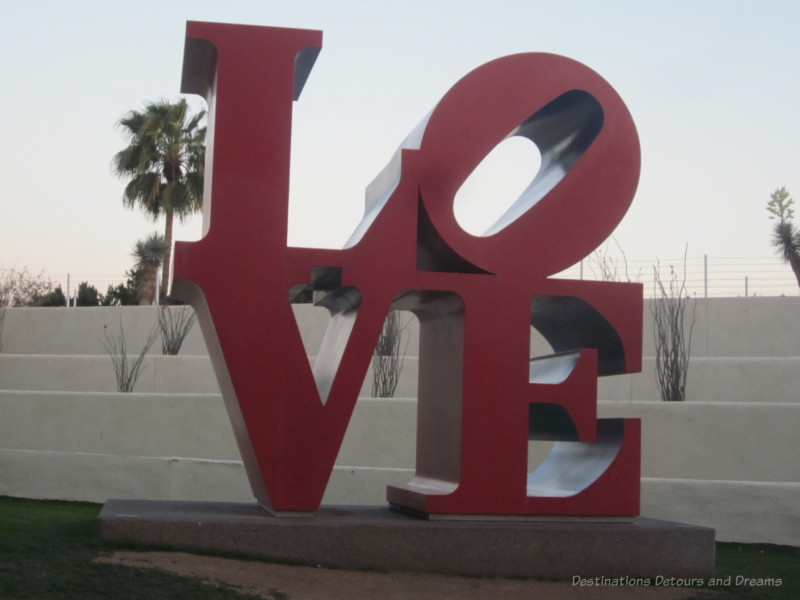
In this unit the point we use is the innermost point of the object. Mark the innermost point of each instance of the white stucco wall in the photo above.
(724, 328)
(726, 458)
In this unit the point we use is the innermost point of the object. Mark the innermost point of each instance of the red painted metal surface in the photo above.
(481, 400)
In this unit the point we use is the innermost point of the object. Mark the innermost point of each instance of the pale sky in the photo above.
(711, 85)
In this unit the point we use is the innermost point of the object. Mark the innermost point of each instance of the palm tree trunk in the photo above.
(165, 267)
(147, 287)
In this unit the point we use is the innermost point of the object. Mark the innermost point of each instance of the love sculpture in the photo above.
(481, 399)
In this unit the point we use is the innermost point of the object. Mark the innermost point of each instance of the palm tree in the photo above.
(785, 236)
(164, 162)
(149, 254)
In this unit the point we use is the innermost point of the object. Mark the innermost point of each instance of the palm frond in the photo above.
(195, 121)
(150, 251)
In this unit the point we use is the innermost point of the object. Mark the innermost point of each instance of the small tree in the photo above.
(673, 345)
(785, 236)
(123, 294)
(87, 295)
(53, 298)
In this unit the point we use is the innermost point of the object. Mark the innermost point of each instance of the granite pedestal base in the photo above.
(386, 540)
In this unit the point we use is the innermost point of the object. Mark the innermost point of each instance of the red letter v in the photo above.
(289, 426)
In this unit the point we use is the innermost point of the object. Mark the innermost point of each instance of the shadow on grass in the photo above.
(46, 553)
(758, 571)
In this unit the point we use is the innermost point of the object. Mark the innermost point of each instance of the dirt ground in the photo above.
(280, 582)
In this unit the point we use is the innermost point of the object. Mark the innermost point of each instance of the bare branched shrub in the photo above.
(174, 323)
(673, 343)
(605, 267)
(22, 288)
(387, 363)
(115, 345)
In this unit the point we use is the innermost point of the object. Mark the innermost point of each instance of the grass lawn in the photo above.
(46, 552)
(750, 567)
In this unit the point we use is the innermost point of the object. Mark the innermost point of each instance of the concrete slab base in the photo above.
(378, 538)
